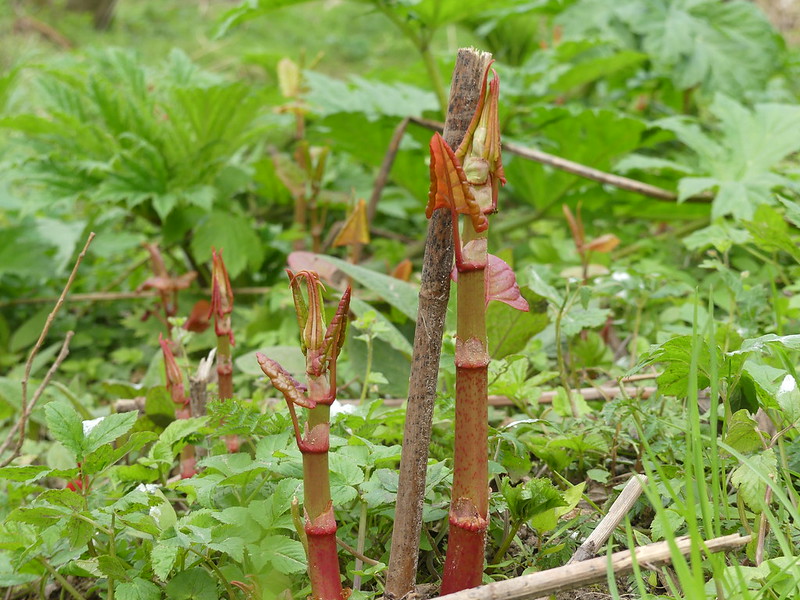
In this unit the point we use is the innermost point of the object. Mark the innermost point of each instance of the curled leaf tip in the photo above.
(283, 381)
(449, 186)
(221, 296)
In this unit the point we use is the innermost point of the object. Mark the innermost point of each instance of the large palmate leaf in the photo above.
(718, 46)
(328, 96)
(739, 160)
(110, 131)
(595, 138)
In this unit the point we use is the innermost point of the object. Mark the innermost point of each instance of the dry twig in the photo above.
(25, 407)
(621, 506)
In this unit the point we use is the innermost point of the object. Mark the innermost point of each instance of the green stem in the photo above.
(562, 365)
(362, 534)
(507, 542)
(217, 572)
(64, 583)
(368, 370)
(422, 44)
(112, 551)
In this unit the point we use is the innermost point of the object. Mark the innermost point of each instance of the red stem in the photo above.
(470, 497)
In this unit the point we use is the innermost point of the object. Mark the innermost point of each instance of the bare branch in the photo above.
(24, 406)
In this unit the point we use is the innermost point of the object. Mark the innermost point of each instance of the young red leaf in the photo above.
(501, 284)
(221, 296)
(449, 188)
(480, 151)
(282, 380)
(355, 229)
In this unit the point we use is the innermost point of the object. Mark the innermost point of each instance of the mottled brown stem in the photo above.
(433, 296)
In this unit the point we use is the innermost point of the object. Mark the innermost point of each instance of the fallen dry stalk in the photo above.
(621, 506)
(579, 574)
(600, 393)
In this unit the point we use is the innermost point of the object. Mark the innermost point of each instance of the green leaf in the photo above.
(192, 584)
(287, 555)
(750, 486)
(788, 397)
(26, 473)
(770, 232)
(177, 431)
(137, 589)
(163, 557)
(613, 136)
(729, 47)
(105, 456)
(66, 426)
(675, 521)
(109, 429)
(531, 498)
(743, 433)
(510, 329)
(740, 159)
(386, 329)
(232, 233)
(676, 357)
(114, 567)
(403, 296)
(328, 96)
(718, 46)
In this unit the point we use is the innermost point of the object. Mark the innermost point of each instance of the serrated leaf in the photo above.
(66, 426)
(741, 158)
(234, 234)
(137, 589)
(105, 455)
(674, 523)
(743, 433)
(287, 555)
(162, 558)
(192, 584)
(26, 473)
(109, 429)
(373, 98)
(114, 567)
(750, 486)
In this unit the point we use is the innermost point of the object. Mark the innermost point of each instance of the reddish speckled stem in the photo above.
(470, 498)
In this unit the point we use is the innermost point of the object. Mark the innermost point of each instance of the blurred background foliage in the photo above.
(195, 124)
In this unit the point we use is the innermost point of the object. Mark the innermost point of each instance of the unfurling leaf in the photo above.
(310, 316)
(501, 284)
(174, 380)
(282, 381)
(403, 270)
(198, 320)
(449, 187)
(221, 296)
(289, 78)
(355, 229)
(605, 243)
(480, 152)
